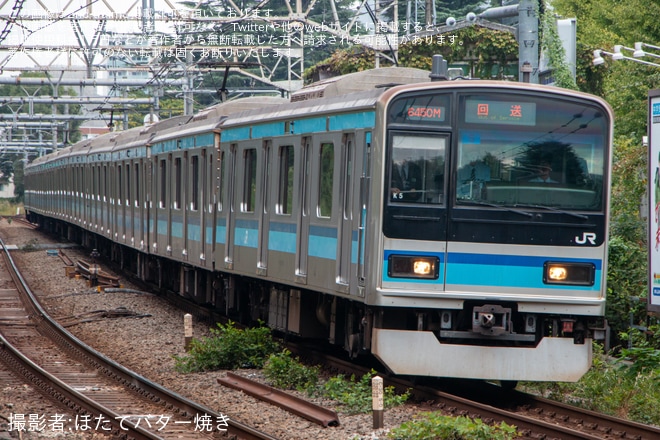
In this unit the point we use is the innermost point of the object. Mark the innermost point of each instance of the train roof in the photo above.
(352, 102)
(210, 119)
(350, 92)
(359, 82)
(238, 105)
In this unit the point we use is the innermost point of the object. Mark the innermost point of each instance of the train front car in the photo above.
(493, 255)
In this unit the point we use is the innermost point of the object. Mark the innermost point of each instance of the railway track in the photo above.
(95, 393)
(535, 417)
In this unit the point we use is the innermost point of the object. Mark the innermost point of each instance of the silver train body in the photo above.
(409, 221)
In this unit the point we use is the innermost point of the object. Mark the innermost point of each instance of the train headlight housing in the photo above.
(413, 266)
(578, 274)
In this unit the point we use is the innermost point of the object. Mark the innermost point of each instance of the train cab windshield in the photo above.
(513, 151)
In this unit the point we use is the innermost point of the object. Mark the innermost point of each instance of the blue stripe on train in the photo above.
(514, 271)
(509, 271)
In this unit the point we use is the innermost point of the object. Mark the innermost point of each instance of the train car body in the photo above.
(450, 228)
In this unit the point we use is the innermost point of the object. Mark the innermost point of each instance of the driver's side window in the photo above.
(417, 168)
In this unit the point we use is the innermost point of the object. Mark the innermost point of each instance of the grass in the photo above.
(626, 387)
(8, 207)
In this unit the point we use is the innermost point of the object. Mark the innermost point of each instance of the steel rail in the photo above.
(308, 410)
(491, 402)
(59, 391)
(139, 384)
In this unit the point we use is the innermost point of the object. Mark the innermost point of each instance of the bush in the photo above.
(355, 396)
(612, 386)
(435, 426)
(229, 348)
(285, 372)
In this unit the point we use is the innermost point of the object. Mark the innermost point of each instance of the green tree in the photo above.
(457, 9)
(486, 53)
(601, 24)
(627, 275)
(169, 107)
(11, 164)
(70, 135)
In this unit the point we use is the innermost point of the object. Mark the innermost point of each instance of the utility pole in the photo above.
(528, 41)
(188, 85)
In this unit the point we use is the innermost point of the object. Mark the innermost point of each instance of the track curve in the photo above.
(95, 392)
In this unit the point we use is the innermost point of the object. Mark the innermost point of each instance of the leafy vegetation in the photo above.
(70, 134)
(484, 53)
(355, 395)
(228, 348)
(625, 85)
(626, 387)
(284, 371)
(428, 426)
(554, 50)
(8, 207)
(459, 8)
(232, 348)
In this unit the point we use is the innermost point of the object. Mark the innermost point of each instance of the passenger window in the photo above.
(285, 191)
(137, 185)
(266, 176)
(250, 181)
(163, 182)
(194, 203)
(348, 169)
(94, 183)
(209, 178)
(128, 185)
(120, 188)
(326, 173)
(104, 180)
(177, 183)
(221, 180)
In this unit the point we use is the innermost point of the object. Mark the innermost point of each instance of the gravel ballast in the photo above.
(147, 344)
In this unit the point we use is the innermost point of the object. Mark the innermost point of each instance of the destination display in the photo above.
(420, 109)
(486, 111)
(420, 113)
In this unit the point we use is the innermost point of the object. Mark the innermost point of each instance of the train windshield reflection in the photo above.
(557, 162)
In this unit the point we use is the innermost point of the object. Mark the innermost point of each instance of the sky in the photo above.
(40, 36)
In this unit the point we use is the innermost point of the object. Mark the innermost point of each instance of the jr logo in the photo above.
(586, 237)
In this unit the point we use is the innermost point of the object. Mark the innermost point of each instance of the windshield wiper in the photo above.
(494, 205)
(561, 211)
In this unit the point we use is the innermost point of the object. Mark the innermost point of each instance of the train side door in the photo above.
(363, 204)
(105, 200)
(229, 178)
(264, 215)
(302, 238)
(169, 190)
(206, 209)
(345, 233)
